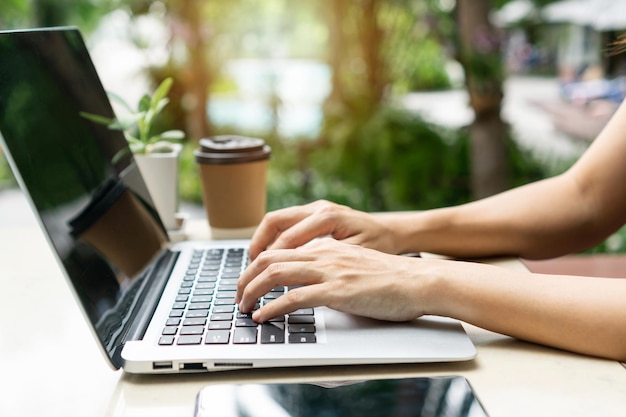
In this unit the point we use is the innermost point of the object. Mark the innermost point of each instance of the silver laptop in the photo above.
(157, 307)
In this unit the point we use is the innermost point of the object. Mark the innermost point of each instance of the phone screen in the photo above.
(409, 397)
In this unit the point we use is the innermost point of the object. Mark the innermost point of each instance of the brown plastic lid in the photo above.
(231, 149)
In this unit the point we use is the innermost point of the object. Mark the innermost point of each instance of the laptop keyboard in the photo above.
(205, 312)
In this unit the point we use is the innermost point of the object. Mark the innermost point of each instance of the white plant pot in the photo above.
(160, 173)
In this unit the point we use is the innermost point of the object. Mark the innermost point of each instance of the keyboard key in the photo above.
(172, 322)
(223, 309)
(226, 294)
(272, 296)
(191, 314)
(186, 330)
(201, 299)
(245, 323)
(301, 328)
(301, 319)
(222, 317)
(203, 278)
(220, 325)
(225, 302)
(272, 333)
(199, 306)
(166, 340)
(169, 330)
(244, 335)
(302, 338)
(200, 292)
(214, 337)
(194, 322)
(227, 287)
(302, 312)
(189, 340)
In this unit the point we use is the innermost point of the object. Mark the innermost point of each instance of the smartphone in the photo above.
(408, 397)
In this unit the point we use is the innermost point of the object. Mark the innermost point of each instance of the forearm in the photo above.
(579, 314)
(540, 220)
(560, 215)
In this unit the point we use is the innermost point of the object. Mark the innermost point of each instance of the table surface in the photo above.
(52, 366)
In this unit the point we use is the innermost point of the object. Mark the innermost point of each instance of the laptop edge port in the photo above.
(193, 366)
(162, 365)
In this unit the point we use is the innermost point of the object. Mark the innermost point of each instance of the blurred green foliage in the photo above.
(394, 161)
(6, 176)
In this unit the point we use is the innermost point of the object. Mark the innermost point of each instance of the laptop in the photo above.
(156, 306)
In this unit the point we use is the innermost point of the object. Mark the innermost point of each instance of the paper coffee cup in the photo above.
(233, 172)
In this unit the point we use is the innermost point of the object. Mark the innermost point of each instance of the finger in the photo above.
(257, 266)
(318, 224)
(297, 298)
(279, 274)
(273, 224)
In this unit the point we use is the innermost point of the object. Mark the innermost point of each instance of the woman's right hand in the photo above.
(295, 226)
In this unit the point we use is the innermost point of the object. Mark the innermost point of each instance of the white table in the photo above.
(51, 366)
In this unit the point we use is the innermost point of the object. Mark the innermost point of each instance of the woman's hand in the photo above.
(342, 276)
(294, 226)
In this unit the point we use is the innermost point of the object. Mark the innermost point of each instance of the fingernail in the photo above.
(256, 315)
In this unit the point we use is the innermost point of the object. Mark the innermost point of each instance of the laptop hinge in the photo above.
(150, 295)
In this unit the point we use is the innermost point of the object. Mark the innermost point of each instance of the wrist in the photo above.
(399, 226)
(434, 281)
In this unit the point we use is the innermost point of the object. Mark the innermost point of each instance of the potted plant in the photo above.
(154, 152)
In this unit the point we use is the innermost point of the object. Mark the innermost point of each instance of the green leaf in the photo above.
(119, 100)
(132, 140)
(137, 147)
(144, 103)
(97, 119)
(161, 92)
(145, 125)
(167, 136)
(137, 124)
(126, 121)
(161, 105)
(119, 155)
(172, 135)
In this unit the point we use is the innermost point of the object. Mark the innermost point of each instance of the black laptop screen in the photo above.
(98, 215)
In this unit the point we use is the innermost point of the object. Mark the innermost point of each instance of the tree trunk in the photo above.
(479, 54)
(371, 37)
(335, 13)
(189, 27)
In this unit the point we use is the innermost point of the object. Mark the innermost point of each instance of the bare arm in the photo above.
(568, 213)
(579, 314)
(560, 215)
